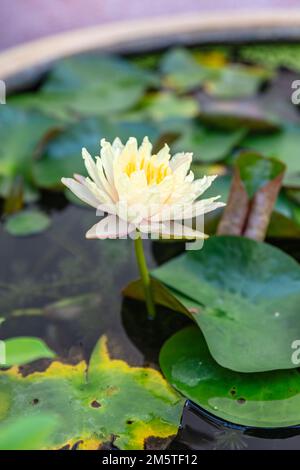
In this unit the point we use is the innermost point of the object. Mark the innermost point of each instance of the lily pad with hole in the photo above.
(268, 399)
(243, 295)
(91, 403)
(27, 222)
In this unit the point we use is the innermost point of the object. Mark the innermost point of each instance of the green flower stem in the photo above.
(144, 273)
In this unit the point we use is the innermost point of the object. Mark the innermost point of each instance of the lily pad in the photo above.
(20, 134)
(237, 81)
(208, 144)
(181, 71)
(28, 432)
(97, 85)
(165, 105)
(91, 405)
(27, 222)
(283, 145)
(25, 349)
(269, 399)
(244, 296)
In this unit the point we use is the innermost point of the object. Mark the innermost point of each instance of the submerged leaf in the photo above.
(113, 403)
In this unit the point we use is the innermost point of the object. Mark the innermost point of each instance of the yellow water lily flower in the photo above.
(140, 191)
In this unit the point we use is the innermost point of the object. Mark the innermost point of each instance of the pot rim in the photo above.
(149, 34)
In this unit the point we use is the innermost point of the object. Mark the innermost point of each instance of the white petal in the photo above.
(171, 230)
(163, 155)
(81, 191)
(110, 227)
(201, 185)
(206, 205)
(103, 182)
(90, 165)
(108, 154)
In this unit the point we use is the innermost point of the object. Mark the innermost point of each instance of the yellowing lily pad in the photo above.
(111, 402)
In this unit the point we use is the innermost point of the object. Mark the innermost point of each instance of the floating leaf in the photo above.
(244, 296)
(164, 105)
(283, 145)
(114, 402)
(95, 85)
(25, 349)
(181, 71)
(20, 134)
(237, 81)
(207, 144)
(269, 399)
(28, 432)
(57, 107)
(27, 222)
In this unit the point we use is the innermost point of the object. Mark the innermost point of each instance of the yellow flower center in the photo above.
(155, 174)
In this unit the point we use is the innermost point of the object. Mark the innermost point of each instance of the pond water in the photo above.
(67, 290)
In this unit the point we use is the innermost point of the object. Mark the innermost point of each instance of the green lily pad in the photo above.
(20, 134)
(269, 399)
(256, 171)
(25, 349)
(27, 222)
(91, 404)
(237, 81)
(207, 144)
(49, 104)
(96, 85)
(165, 105)
(182, 72)
(244, 296)
(283, 145)
(28, 432)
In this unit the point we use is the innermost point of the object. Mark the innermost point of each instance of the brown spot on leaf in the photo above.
(95, 404)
